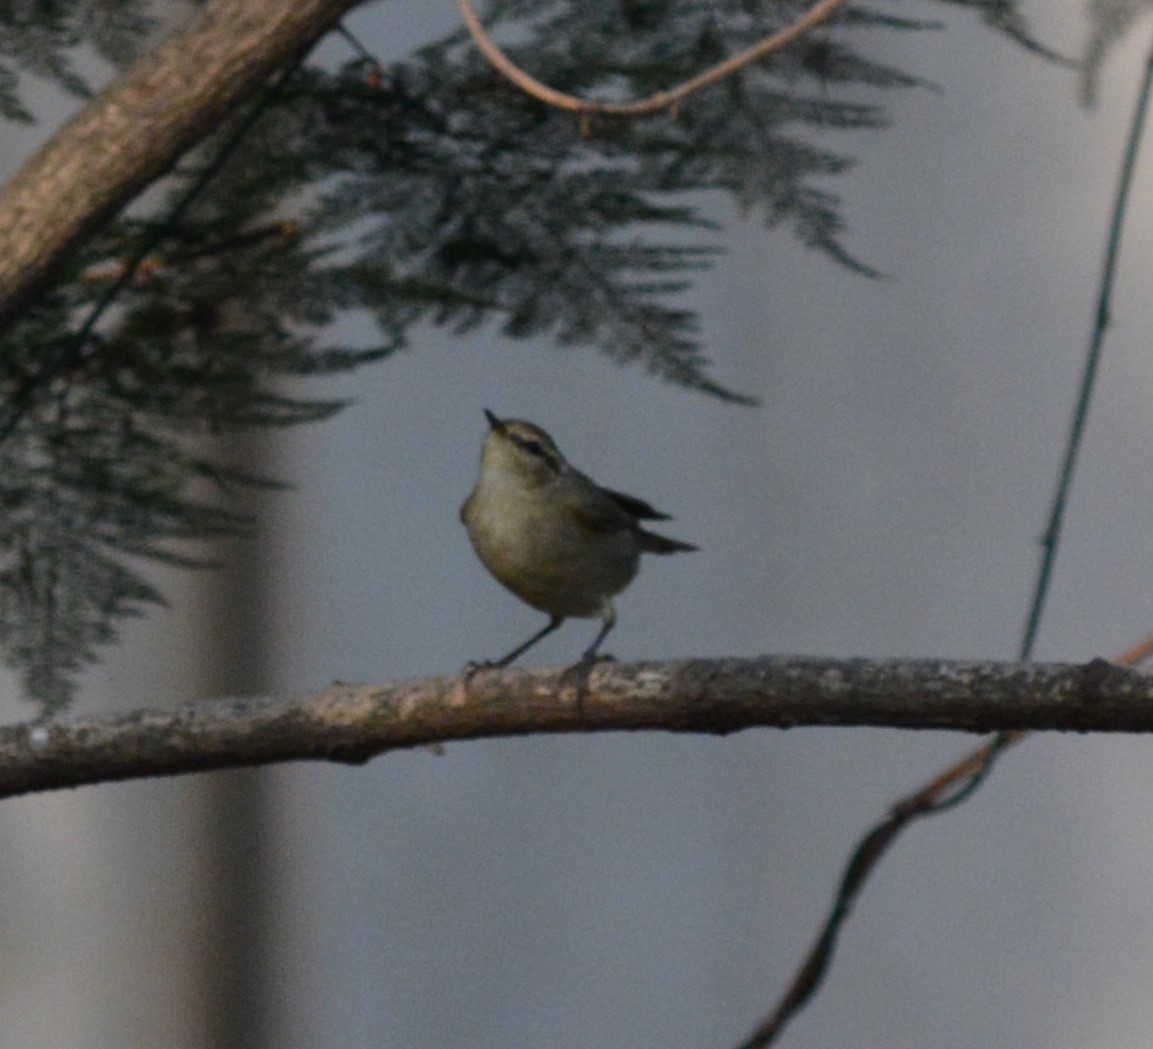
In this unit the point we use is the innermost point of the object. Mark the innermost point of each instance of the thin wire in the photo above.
(1052, 535)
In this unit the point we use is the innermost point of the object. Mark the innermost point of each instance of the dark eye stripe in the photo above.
(539, 449)
(531, 445)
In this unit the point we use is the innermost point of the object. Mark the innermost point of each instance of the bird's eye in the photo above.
(533, 447)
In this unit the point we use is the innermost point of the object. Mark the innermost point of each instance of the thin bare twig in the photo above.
(1093, 354)
(959, 781)
(820, 12)
(939, 794)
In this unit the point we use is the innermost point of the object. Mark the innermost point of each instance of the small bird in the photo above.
(555, 538)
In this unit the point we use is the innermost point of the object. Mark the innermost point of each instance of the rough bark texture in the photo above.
(352, 723)
(133, 131)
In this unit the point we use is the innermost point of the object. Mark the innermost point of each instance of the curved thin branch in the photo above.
(820, 12)
(941, 793)
(868, 852)
(353, 723)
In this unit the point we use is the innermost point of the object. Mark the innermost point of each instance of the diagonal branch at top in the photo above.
(134, 130)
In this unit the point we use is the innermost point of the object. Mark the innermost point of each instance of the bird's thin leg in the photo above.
(520, 650)
(610, 620)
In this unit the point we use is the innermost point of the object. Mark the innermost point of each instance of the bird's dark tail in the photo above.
(659, 544)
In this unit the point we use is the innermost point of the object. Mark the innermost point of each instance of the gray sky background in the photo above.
(885, 500)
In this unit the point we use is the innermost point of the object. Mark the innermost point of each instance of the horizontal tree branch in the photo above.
(134, 130)
(353, 723)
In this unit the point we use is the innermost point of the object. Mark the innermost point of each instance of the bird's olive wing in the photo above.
(595, 511)
(634, 506)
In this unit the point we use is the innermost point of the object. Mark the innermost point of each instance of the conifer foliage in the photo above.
(428, 191)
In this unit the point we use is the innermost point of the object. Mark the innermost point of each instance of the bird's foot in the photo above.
(475, 666)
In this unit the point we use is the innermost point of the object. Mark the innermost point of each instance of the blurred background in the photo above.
(884, 500)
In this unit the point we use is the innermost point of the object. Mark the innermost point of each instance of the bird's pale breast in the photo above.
(533, 543)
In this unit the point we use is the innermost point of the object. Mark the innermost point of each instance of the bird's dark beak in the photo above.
(493, 422)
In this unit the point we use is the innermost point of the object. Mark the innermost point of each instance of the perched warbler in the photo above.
(555, 538)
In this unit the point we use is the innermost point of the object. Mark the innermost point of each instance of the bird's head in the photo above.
(521, 449)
